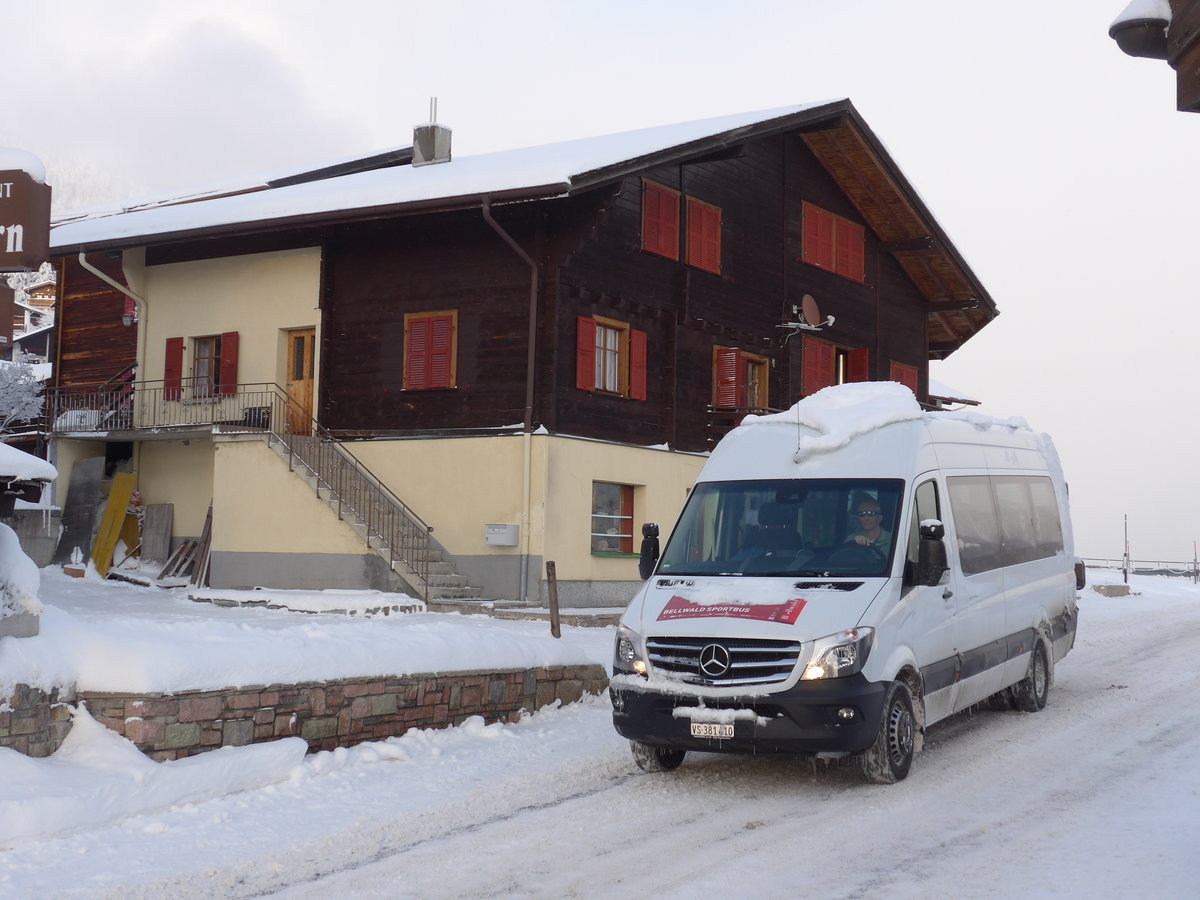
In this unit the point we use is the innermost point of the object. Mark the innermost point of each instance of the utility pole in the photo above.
(1125, 567)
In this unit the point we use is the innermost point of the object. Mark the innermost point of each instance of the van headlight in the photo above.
(839, 654)
(627, 653)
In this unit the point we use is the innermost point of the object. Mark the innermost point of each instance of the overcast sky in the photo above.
(1057, 165)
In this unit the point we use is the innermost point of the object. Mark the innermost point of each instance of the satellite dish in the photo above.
(808, 306)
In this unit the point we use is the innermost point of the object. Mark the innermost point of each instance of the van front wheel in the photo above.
(656, 759)
(890, 757)
(1029, 694)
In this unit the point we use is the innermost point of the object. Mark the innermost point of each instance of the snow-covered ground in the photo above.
(1093, 797)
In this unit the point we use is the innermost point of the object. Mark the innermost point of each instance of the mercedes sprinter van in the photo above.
(843, 575)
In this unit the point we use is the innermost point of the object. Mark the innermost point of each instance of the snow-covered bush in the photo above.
(19, 578)
(20, 394)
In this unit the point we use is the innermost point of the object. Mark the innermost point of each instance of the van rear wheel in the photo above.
(656, 759)
(890, 757)
(1029, 694)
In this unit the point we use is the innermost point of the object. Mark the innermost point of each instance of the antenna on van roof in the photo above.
(808, 318)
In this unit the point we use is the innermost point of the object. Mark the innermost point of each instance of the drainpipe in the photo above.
(527, 436)
(138, 301)
(139, 304)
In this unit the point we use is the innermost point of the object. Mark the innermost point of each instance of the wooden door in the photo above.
(300, 369)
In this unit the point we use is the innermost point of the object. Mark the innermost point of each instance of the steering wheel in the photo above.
(855, 557)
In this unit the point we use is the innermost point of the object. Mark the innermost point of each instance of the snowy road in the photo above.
(1095, 797)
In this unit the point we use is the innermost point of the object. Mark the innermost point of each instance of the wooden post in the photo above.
(552, 589)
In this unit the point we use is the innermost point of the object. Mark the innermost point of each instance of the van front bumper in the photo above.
(807, 718)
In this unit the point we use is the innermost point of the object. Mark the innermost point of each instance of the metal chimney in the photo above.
(431, 141)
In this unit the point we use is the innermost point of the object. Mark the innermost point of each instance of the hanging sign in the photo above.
(24, 221)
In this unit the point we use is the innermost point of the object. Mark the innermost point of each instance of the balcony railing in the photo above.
(153, 407)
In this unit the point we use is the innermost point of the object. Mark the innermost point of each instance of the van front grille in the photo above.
(723, 662)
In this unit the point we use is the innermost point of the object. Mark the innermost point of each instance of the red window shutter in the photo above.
(850, 241)
(627, 520)
(416, 352)
(585, 353)
(858, 365)
(818, 237)
(817, 365)
(440, 357)
(906, 375)
(229, 362)
(660, 220)
(173, 369)
(637, 364)
(704, 236)
(729, 388)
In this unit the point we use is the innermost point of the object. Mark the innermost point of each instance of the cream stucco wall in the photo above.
(261, 507)
(457, 485)
(661, 481)
(180, 473)
(460, 485)
(260, 296)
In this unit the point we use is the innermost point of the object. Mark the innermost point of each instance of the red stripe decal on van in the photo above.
(682, 608)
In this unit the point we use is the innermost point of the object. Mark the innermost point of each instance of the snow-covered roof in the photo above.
(545, 171)
(944, 392)
(17, 465)
(12, 159)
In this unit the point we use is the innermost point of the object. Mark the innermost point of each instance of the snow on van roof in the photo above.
(834, 416)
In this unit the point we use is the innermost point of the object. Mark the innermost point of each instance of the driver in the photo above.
(868, 517)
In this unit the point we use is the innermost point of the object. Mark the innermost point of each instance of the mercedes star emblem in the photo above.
(714, 660)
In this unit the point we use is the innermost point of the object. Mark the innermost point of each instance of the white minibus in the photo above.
(843, 575)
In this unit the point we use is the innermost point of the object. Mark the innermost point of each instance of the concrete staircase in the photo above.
(410, 552)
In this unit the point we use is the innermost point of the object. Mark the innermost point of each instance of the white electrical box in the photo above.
(501, 535)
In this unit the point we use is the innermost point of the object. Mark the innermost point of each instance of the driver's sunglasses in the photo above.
(867, 513)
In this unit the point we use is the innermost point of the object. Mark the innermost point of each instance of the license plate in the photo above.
(711, 730)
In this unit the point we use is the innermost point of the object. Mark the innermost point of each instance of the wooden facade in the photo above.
(590, 262)
(94, 343)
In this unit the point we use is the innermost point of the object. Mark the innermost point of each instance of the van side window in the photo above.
(1014, 507)
(1047, 526)
(975, 523)
(1004, 520)
(925, 506)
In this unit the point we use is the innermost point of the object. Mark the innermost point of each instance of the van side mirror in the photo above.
(649, 557)
(931, 553)
(1080, 575)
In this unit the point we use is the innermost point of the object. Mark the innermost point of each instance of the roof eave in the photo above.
(308, 220)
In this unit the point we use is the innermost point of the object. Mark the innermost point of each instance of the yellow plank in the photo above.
(110, 523)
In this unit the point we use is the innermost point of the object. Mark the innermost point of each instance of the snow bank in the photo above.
(99, 635)
(97, 776)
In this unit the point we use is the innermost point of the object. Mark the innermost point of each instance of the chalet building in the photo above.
(437, 373)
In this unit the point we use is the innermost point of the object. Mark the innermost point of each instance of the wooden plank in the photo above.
(156, 532)
(112, 520)
(174, 559)
(200, 565)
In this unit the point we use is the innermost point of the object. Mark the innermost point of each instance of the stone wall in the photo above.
(327, 715)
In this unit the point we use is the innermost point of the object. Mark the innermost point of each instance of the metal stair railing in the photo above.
(391, 526)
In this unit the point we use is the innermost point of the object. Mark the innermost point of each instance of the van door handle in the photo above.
(947, 594)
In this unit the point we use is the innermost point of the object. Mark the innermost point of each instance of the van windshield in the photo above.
(824, 527)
